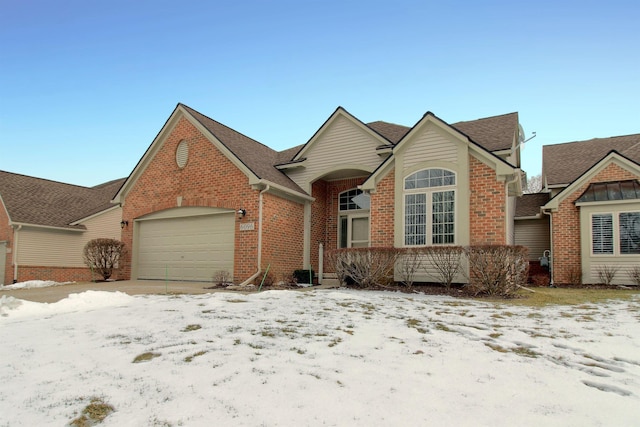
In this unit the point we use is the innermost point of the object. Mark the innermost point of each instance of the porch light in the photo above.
(124, 224)
(241, 213)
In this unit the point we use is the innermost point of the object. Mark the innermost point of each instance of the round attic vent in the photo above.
(182, 154)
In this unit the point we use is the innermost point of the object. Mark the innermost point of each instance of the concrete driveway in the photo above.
(130, 287)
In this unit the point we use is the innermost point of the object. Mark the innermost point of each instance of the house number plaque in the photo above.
(247, 226)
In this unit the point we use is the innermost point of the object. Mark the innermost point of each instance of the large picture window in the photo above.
(429, 208)
(615, 231)
(629, 233)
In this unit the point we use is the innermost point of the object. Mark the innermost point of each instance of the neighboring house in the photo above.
(590, 210)
(205, 198)
(44, 226)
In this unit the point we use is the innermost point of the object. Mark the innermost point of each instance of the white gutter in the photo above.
(551, 246)
(257, 273)
(15, 252)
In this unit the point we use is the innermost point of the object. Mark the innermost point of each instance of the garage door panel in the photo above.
(186, 248)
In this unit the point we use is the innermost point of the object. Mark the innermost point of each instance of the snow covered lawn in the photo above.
(319, 357)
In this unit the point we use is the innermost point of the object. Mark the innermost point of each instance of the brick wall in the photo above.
(208, 179)
(487, 205)
(318, 220)
(60, 274)
(282, 237)
(382, 212)
(324, 215)
(566, 226)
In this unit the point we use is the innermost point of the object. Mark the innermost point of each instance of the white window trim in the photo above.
(350, 214)
(429, 192)
(615, 224)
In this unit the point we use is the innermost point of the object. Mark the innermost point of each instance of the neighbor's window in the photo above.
(629, 226)
(602, 234)
(429, 207)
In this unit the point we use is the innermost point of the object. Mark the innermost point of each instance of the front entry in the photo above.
(354, 231)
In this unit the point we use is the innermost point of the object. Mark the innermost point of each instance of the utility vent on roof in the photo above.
(182, 154)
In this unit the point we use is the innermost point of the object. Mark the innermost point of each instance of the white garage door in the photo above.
(187, 248)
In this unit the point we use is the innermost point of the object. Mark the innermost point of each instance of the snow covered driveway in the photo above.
(318, 358)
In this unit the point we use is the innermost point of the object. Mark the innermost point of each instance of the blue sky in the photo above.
(85, 86)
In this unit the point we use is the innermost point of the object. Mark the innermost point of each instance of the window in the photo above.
(429, 207)
(602, 234)
(629, 233)
(605, 240)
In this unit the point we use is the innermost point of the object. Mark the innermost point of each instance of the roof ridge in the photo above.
(596, 139)
(227, 127)
(49, 180)
(485, 118)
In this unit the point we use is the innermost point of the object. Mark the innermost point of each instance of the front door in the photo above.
(354, 231)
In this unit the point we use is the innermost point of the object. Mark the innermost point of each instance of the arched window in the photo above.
(429, 207)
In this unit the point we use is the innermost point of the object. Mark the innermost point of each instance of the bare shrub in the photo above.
(103, 255)
(606, 273)
(446, 261)
(634, 275)
(497, 270)
(364, 267)
(575, 276)
(409, 263)
(222, 277)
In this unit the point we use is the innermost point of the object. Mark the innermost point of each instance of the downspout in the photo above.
(511, 231)
(257, 273)
(15, 253)
(551, 247)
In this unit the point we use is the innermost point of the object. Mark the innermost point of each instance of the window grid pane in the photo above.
(346, 202)
(443, 208)
(629, 232)
(602, 234)
(430, 178)
(415, 219)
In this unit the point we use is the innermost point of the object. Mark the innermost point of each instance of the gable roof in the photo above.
(612, 157)
(564, 163)
(257, 157)
(37, 201)
(494, 133)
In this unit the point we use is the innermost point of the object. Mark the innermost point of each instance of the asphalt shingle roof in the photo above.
(37, 201)
(492, 133)
(564, 163)
(529, 204)
(256, 156)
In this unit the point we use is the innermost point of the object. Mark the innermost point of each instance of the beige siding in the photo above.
(429, 146)
(533, 234)
(593, 264)
(343, 143)
(60, 248)
(428, 273)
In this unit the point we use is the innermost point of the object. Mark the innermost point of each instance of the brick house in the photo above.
(44, 226)
(205, 198)
(588, 215)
